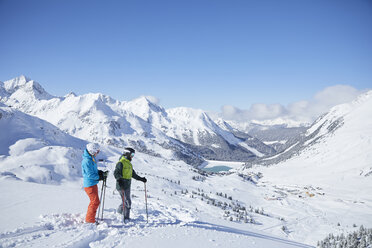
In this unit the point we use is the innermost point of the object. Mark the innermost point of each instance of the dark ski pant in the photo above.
(125, 197)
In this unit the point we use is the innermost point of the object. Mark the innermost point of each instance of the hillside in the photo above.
(332, 166)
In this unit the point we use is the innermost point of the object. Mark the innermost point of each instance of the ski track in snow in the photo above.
(73, 232)
(69, 230)
(220, 228)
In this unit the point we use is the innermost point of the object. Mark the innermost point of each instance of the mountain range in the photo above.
(349, 119)
(187, 134)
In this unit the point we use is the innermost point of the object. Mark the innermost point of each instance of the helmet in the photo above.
(129, 152)
(92, 148)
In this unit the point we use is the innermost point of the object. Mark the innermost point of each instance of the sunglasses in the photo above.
(132, 154)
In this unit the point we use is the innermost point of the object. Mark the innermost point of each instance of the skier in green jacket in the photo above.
(123, 174)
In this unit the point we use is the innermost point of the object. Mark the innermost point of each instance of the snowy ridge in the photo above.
(254, 145)
(280, 121)
(148, 111)
(97, 118)
(196, 128)
(28, 139)
(23, 86)
(140, 123)
(278, 135)
(19, 126)
(332, 163)
(354, 115)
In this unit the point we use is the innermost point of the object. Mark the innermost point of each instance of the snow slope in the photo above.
(175, 218)
(333, 169)
(323, 189)
(34, 150)
(340, 151)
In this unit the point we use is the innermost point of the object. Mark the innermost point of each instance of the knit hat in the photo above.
(92, 148)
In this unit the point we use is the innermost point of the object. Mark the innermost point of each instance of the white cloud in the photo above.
(232, 112)
(263, 111)
(302, 111)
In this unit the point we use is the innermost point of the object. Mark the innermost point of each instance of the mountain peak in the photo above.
(71, 94)
(147, 109)
(195, 119)
(14, 84)
(25, 86)
(145, 104)
(186, 111)
(146, 100)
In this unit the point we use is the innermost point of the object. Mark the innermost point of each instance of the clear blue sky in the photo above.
(201, 54)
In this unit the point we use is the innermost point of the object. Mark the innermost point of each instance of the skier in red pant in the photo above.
(91, 177)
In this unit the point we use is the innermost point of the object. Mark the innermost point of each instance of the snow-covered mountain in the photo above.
(339, 123)
(186, 134)
(95, 117)
(278, 134)
(330, 166)
(260, 148)
(25, 139)
(195, 128)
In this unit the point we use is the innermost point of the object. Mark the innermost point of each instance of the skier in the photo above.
(91, 177)
(123, 174)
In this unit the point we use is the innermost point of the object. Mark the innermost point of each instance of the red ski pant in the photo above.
(92, 193)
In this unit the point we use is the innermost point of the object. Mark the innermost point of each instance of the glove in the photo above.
(143, 179)
(105, 174)
(102, 175)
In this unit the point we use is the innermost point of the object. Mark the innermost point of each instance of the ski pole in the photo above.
(147, 214)
(104, 194)
(99, 208)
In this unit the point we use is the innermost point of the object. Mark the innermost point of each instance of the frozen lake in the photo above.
(219, 166)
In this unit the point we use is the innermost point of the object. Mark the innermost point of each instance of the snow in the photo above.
(273, 142)
(59, 221)
(55, 207)
(186, 119)
(335, 169)
(254, 151)
(264, 125)
(213, 163)
(280, 121)
(323, 189)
